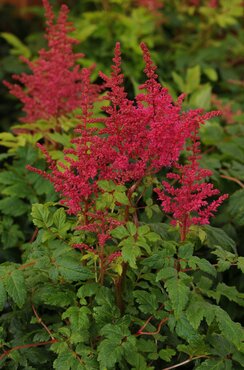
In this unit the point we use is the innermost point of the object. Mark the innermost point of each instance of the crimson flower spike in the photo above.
(189, 200)
(54, 85)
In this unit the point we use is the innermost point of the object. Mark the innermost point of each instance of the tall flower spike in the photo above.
(54, 86)
(188, 201)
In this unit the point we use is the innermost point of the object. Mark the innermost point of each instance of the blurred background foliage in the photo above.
(197, 45)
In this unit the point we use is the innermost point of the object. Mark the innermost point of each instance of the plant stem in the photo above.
(184, 362)
(6, 353)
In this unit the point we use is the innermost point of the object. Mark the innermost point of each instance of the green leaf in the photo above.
(78, 317)
(130, 252)
(179, 81)
(202, 264)
(18, 47)
(65, 361)
(116, 344)
(41, 215)
(231, 293)
(121, 198)
(153, 237)
(147, 301)
(185, 330)
(131, 227)
(166, 273)
(178, 294)
(106, 185)
(211, 73)
(120, 232)
(186, 250)
(229, 328)
(143, 230)
(167, 354)
(15, 286)
(240, 263)
(197, 310)
(3, 295)
(202, 97)
(72, 270)
(59, 218)
(13, 206)
(137, 361)
(211, 132)
(217, 237)
(192, 79)
(220, 364)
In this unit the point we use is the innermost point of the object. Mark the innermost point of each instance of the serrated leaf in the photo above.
(217, 237)
(131, 227)
(197, 310)
(59, 218)
(15, 286)
(185, 330)
(231, 293)
(121, 198)
(186, 250)
(218, 364)
(166, 354)
(202, 264)
(72, 270)
(152, 237)
(106, 185)
(229, 328)
(178, 294)
(120, 232)
(130, 253)
(116, 344)
(143, 230)
(65, 361)
(41, 216)
(166, 273)
(240, 263)
(147, 301)
(78, 317)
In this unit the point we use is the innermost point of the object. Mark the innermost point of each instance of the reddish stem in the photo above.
(6, 353)
(141, 332)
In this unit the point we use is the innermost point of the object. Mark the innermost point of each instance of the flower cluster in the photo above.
(55, 85)
(189, 199)
(137, 139)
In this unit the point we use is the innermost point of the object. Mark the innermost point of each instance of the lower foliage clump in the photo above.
(158, 304)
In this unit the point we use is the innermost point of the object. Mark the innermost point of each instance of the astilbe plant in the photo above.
(138, 138)
(55, 85)
(103, 284)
